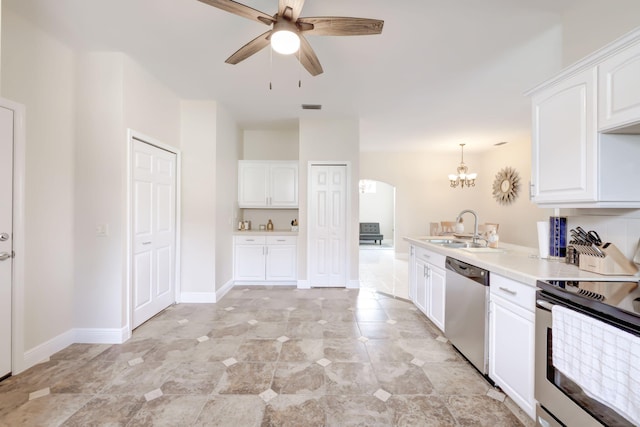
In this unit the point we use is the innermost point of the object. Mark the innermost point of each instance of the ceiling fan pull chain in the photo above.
(299, 71)
(270, 68)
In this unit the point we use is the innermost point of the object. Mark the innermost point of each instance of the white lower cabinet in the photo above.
(265, 258)
(511, 340)
(427, 282)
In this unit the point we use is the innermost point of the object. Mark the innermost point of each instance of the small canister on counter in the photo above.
(572, 255)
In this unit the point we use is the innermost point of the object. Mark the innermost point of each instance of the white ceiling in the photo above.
(441, 73)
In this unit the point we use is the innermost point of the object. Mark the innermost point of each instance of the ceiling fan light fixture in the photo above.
(285, 39)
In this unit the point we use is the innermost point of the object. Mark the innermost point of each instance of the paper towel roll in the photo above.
(543, 238)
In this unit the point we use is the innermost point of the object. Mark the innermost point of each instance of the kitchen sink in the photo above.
(450, 243)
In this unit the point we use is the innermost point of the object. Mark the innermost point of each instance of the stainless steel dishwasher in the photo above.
(466, 319)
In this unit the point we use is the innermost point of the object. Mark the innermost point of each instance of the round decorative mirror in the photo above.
(506, 186)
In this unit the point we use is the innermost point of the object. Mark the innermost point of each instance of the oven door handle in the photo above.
(544, 304)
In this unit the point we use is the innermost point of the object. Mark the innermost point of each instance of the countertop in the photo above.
(265, 233)
(519, 263)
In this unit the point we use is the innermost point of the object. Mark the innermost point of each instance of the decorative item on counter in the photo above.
(241, 225)
(558, 236)
(269, 226)
(434, 229)
(247, 225)
(294, 225)
(493, 239)
(263, 227)
(459, 227)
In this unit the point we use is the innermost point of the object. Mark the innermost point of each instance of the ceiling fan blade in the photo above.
(308, 58)
(250, 48)
(295, 6)
(340, 26)
(241, 10)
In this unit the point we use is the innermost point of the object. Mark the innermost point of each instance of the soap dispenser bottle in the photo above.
(269, 226)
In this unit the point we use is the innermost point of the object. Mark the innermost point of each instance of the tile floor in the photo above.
(263, 357)
(382, 271)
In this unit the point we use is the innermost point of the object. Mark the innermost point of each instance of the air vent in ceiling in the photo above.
(311, 107)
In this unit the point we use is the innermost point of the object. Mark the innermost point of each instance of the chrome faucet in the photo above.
(475, 224)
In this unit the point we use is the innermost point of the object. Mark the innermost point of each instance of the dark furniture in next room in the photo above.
(370, 231)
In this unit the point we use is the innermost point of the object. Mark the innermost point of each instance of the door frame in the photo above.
(350, 284)
(17, 281)
(131, 136)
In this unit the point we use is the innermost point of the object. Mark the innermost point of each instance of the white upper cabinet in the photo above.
(564, 141)
(585, 134)
(267, 184)
(619, 89)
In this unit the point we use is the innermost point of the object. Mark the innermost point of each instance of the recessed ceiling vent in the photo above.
(311, 107)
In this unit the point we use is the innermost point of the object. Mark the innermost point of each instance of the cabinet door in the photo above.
(436, 301)
(511, 351)
(284, 185)
(253, 184)
(249, 262)
(422, 282)
(281, 262)
(564, 149)
(619, 90)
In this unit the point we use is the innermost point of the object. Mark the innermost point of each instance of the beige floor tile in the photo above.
(265, 356)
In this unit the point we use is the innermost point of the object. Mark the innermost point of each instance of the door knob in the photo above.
(4, 256)
(4, 237)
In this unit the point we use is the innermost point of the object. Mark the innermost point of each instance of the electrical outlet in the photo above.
(102, 230)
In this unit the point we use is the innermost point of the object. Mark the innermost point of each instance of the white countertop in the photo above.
(519, 263)
(264, 233)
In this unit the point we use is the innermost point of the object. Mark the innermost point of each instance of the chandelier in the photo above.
(462, 178)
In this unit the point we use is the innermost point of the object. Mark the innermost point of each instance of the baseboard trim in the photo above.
(197, 297)
(42, 352)
(101, 335)
(303, 284)
(353, 284)
(223, 290)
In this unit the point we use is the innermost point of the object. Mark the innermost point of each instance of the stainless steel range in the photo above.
(560, 400)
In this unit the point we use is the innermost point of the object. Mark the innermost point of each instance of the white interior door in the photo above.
(6, 233)
(327, 226)
(154, 230)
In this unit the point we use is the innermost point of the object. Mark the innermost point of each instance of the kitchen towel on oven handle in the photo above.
(600, 358)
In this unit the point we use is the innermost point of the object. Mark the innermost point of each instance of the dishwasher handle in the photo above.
(469, 271)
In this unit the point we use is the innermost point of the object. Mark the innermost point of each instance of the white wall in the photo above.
(329, 140)
(270, 144)
(39, 72)
(380, 207)
(198, 135)
(518, 219)
(115, 94)
(228, 143)
(100, 158)
(592, 24)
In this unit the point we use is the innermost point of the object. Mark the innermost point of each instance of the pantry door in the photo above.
(6, 238)
(328, 226)
(153, 230)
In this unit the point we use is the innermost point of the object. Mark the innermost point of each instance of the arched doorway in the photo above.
(380, 270)
(377, 205)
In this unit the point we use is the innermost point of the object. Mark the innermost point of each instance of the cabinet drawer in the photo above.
(281, 240)
(430, 257)
(518, 293)
(250, 240)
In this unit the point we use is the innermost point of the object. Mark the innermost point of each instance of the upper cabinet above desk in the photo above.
(267, 184)
(586, 131)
